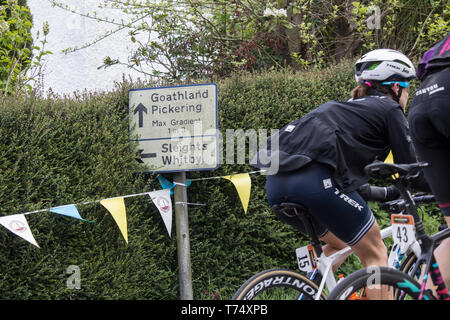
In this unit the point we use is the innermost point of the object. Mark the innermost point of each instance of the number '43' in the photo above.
(403, 230)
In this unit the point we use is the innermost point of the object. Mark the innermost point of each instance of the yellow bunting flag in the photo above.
(390, 159)
(243, 185)
(116, 206)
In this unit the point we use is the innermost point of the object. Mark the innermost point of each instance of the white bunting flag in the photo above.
(18, 225)
(161, 199)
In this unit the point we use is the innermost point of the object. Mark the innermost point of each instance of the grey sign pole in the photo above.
(177, 128)
(183, 244)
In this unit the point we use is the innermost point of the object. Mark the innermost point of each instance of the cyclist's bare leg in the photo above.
(441, 253)
(333, 245)
(372, 251)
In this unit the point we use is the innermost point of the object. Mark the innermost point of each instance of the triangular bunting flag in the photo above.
(166, 184)
(68, 210)
(116, 206)
(162, 201)
(389, 158)
(243, 183)
(18, 225)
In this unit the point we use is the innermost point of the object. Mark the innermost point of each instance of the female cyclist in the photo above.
(429, 119)
(321, 156)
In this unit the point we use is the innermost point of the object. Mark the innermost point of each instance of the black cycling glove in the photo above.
(381, 194)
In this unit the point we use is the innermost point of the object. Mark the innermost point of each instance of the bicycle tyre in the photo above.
(406, 267)
(407, 264)
(358, 280)
(261, 284)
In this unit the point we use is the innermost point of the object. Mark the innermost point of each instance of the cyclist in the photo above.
(429, 119)
(321, 156)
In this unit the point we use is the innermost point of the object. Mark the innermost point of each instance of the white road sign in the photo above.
(177, 127)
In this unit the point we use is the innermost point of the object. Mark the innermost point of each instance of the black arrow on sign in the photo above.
(144, 155)
(141, 109)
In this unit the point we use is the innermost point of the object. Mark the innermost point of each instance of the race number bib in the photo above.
(306, 258)
(403, 230)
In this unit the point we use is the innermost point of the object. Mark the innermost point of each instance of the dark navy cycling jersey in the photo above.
(344, 135)
(429, 118)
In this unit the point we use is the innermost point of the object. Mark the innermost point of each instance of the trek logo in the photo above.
(347, 199)
(398, 68)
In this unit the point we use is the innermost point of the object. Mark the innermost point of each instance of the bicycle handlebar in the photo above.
(400, 204)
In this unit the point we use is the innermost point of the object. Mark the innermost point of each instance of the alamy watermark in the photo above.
(374, 20)
(374, 280)
(74, 279)
(232, 146)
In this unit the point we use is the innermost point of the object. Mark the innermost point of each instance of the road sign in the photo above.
(176, 127)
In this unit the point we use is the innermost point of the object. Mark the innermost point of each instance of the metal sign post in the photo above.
(177, 129)
(183, 242)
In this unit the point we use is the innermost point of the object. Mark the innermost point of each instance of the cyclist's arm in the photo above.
(381, 194)
(401, 145)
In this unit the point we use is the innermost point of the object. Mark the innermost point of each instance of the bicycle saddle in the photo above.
(380, 169)
(290, 209)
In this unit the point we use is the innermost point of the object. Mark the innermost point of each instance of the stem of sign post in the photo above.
(183, 244)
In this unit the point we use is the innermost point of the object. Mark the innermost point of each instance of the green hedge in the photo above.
(60, 151)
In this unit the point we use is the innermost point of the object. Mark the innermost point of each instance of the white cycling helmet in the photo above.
(384, 65)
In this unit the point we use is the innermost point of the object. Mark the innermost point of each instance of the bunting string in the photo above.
(221, 177)
(17, 223)
(172, 184)
(89, 202)
(189, 203)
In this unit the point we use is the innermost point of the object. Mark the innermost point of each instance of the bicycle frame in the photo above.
(422, 247)
(426, 243)
(325, 264)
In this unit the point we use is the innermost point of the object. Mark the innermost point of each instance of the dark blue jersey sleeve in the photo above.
(401, 144)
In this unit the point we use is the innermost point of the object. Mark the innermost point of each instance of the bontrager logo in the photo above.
(277, 280)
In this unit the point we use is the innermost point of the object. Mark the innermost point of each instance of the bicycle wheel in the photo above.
(278, 284)
(371, 278)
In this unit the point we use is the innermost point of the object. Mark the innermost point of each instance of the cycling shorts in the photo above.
(429, 120)
(346, 215)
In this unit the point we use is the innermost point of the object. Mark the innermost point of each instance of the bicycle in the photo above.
(401, 282)
(288, 284)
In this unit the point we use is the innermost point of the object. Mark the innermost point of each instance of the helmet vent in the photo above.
(373, 65)
(403, 63)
